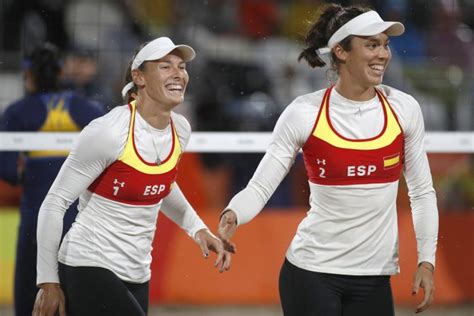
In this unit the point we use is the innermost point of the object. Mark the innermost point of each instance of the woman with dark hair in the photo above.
(45, 108)
(357, 137)
(123, 170)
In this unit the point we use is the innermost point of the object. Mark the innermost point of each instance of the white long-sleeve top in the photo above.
(349, 229)
(106, 233)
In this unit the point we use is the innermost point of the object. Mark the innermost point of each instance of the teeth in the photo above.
(377, 67)
(174, 87)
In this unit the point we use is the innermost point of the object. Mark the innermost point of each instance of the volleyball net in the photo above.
(220, 142)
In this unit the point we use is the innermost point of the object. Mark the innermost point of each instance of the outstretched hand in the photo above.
(227, 228)
(424, 278)
(208, 242)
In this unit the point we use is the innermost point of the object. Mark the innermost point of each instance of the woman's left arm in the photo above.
(177, 208)
(423, 204)
(420, 188)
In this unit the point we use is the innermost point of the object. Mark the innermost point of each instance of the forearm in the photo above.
(176, 207)
(423, 206)
(420, 189)
(426, 222)
(290, 133)
(50, 225)
(251, 200)
(65, 190)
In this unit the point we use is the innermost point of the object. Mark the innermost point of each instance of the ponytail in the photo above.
(333, 16)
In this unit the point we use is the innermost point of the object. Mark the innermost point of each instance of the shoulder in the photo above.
(304, 107)
(312, 99)
(405, 106)
(110, 127)
(181, 123)
(105, 137)
(118, 117)
(183, 128)
(398, 98)
(297, 120)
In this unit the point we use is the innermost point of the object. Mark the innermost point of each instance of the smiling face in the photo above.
(164, 80)
(364, 65)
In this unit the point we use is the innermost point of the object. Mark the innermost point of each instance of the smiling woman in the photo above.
(123, 170)
(163, 80)
(357, 136)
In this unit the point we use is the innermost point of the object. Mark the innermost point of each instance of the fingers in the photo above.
(416, 284)
(424, 279)
(222, 261)
(229, 246)
(37, 303)
(227, 260)
(208, 242)
(219, 263)
(39, 307)
(62, 307)
(46, 306)
(428, 299)
(216, 246)
(204, 248)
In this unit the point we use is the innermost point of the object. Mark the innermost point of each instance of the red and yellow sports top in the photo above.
(332, 159)
(131, 179)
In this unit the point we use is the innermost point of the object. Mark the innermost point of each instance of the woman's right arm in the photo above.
(94, 150)
(289, 135)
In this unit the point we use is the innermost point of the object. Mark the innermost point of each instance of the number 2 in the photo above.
(322, 172)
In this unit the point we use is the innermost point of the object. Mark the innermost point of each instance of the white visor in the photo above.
(159, 48)
(156, 49)
(367, 24)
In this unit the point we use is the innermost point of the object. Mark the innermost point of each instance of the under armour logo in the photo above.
(322, 161)
(122, 184)
(117, 186)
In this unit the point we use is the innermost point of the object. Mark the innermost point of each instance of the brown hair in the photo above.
(128, 74)
(333, 16)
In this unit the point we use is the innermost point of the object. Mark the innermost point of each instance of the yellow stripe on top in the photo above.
(388, 162)
(130, 157)
(324, 131)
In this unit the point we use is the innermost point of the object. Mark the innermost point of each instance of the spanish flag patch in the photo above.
(391, 161)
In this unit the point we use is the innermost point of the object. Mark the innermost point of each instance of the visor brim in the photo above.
(187, 53)
(389, 28)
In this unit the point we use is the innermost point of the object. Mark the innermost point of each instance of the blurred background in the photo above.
(246, 72)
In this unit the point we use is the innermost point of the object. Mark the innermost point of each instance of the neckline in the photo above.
(149, 126)
(354, 102)
(169, 128)
(328, 117)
